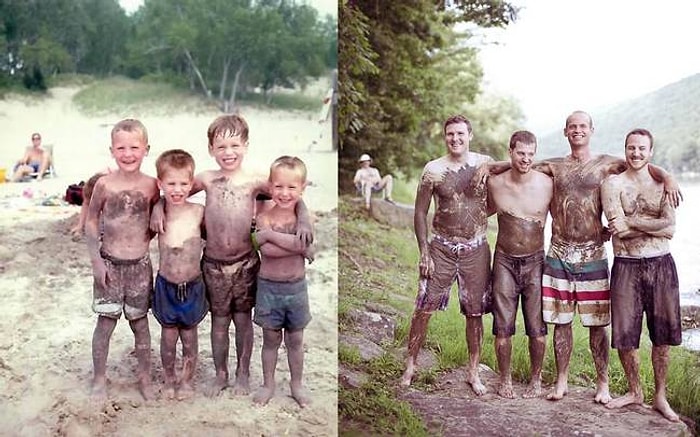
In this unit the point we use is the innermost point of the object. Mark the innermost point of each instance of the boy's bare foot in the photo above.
(407, 375)
(216, 386)
(146, 390)
(184, 391)
(534, 390)
(560, 390)
(241, 387)
(602, 394)
(661, 405)
(263, 395)
(98, 392)
(168, 391)
(505, 390)
(627, 399)
(300, 394)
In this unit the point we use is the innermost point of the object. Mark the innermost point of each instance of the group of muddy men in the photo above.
(638, 200)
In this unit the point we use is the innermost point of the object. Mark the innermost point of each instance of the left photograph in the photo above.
(168, 224)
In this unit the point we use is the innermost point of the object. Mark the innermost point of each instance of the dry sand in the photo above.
(46, 287)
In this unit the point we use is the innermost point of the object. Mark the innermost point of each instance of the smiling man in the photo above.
(458, 249)
(521, 199)
(644, 276)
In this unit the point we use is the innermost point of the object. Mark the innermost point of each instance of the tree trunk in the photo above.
(224, 80)
(234, 87)
(205, 90)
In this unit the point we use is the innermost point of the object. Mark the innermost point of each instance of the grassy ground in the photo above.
(148, 96)
(383, 276)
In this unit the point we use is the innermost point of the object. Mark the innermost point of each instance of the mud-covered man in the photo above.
(458, 249)
(644, 276)
(521, 198)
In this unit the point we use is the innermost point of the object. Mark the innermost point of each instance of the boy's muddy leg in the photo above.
(168, 343)
(272, 339)
(190, 349)
(244, 349)
(294, 340)
(142, 337)
(219, 349)
(100, 350)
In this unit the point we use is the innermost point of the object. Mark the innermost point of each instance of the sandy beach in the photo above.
(46, 286)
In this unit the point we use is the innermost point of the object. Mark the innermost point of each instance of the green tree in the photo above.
(422, 69)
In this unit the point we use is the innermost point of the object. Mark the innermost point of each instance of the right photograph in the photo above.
(516, 248)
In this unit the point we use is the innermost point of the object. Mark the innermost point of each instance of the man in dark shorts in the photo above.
(643, 277)
(521, 199)
(458, 250)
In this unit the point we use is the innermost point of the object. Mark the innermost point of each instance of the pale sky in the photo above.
(563, 55)
(323, 6)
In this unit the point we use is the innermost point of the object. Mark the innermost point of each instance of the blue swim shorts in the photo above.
(179, 305)
(282, 305)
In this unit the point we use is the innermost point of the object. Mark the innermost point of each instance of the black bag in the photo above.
(74, 193)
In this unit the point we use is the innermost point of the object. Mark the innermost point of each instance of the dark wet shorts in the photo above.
(231, 284)
(129, 286)
(517, 277)
(180, 305)
(645, 285)
(282, 305)
(470, 265)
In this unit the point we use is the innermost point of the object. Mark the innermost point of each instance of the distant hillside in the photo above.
(672, 114)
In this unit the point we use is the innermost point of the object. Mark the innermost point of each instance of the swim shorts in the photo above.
(468, 263)
(35, 165)
(576, 275)
(231, 284)
(181, 305)
(514, 277)
(129, 287)
(645, 285)
(282, 305)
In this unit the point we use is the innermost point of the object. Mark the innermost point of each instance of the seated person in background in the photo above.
(367, 180)
(35, 160)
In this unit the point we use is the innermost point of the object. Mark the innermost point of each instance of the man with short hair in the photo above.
(35, 160)
(368, 180)
(521, 198)
(644, 276)
(458, 249)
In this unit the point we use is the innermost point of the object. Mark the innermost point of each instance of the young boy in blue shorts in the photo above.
(118, 240)
(179, 298)
(282, 301)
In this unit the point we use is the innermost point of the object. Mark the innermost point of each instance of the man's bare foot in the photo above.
(241, 387)
(407, 375)
(168, 391)
(216, 386)
(300, 394)
(627, 399)
(505, 390)
(263, 395)
(98, 392)
(184, 391)
(474, 381)
(560, 390)
(146, 389)
(661, 405)
(602, 394)
(534, 390)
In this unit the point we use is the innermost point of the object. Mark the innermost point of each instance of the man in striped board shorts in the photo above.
(576, 266)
